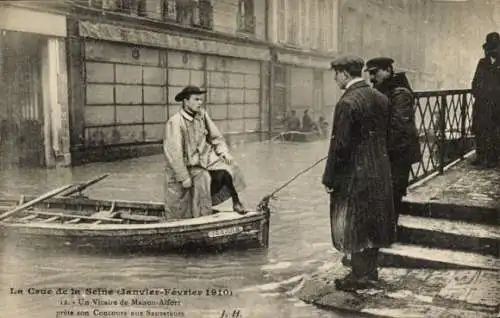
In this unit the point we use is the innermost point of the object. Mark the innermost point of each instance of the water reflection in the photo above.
(299, 240)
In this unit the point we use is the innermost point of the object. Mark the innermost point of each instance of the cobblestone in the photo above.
(410, 293)
(462, 184)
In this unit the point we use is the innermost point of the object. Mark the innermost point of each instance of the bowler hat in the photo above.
(378, 63)
(492, 41)
(188, 91)
(346, 62)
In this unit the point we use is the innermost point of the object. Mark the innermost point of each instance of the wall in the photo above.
(378, 27)
(331, 94)
(460, 30)
(309, 25)
(234, 94)
(301, 88)
(305, 38)
(125, 98)
(431, 41)
(129, 97)
(225, 17)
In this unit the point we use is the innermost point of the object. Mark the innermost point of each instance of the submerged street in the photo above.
(299, 240)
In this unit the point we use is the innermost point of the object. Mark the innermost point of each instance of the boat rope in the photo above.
(263, 205)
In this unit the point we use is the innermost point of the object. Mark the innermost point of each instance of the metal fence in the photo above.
(444, 120)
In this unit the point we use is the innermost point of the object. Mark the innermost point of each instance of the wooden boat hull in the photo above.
(221, 230)
(299, 136)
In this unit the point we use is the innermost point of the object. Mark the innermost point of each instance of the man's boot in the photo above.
(239, 208)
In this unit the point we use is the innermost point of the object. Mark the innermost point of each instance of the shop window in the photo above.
(198, 13)
(132, 7)
(170, 9)
(191, 12)
(293, 30)
(246, 17)
(282, 21)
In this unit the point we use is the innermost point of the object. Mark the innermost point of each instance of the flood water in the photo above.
(299, 244)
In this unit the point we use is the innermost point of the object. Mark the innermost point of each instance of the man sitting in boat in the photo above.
(199, 172)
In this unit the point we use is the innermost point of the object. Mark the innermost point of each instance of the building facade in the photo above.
(436, 42)
(458, 31)
(89, 80)
(34, 126)
(303, 41)
(127, 67)
(388, 28)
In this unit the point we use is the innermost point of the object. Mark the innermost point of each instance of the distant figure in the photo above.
(486, 108)
(199, 171)
(403, 143)
(292, 122)
(307, 122)
(322, 126)
(357, 175)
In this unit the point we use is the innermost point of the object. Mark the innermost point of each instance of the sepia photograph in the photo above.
(250, 158)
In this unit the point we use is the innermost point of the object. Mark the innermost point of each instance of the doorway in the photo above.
(21, 109)
(279, 103)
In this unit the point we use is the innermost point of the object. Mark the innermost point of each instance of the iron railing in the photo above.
(444, 121)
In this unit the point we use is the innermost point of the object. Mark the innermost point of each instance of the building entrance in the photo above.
(21, 108)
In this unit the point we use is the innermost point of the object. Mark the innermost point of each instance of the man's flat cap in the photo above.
(347, 61)
(378, 62)
(188, 91)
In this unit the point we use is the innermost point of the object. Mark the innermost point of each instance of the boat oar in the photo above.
(82, 186)
(28, 204)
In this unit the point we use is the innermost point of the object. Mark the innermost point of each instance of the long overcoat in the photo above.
(192, 147)
(358, 171)
(403, 141)
(486, 91)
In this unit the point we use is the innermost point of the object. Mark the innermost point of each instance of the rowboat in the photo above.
(84, 223)
(298, 136)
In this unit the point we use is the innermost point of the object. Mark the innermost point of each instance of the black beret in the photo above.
(188, 91)
(378, 62)
(347, 61)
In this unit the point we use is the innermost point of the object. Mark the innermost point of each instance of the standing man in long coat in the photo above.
(486, 108)
(403, 143)
(357, 175)
(199, 170)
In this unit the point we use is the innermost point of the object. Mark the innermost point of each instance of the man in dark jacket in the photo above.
(403, 144)
(292, 121)
(486, 108)
(357, 175)
(307, 122)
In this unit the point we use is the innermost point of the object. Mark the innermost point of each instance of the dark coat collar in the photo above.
(398, 80)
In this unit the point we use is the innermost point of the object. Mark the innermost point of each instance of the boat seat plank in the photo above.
(78, 216)
(75, 220)
(29, 217)
(51, 219)
(141, 218)
(103, 214)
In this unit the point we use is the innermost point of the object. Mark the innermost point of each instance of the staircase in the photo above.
(446, 229)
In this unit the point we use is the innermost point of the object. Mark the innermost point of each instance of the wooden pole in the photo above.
(84, 185)
(35, 201)
(75, 216)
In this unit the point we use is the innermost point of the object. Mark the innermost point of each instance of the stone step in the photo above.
(407, 293)
(414, 256)
(446, 234)
(453, 211)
